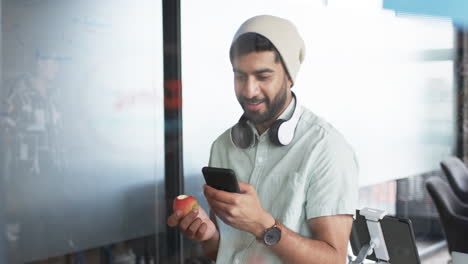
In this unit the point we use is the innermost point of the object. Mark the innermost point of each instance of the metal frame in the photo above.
(174, 177)
(461, 82)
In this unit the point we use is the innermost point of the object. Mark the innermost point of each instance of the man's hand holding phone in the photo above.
(235, 203)
(242, 210)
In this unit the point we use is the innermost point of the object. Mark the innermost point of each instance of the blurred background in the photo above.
(108, 110)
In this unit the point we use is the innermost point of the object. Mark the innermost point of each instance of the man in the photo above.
(297, 198)
(32, 118)
(32, 159)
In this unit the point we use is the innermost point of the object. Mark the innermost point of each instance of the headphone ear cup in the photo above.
(273, 133)
(242, 135)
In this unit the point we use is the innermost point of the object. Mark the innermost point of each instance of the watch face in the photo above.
(272, 236)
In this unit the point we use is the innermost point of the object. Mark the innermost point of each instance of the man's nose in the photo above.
(251, 87)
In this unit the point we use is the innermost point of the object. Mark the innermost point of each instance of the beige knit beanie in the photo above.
(283, 34)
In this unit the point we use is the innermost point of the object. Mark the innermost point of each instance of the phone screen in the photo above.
(221, 179)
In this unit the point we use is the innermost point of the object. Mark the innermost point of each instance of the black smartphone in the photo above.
(398, 234)
(221, 179)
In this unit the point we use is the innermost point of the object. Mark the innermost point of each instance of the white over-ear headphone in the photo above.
(281, 133)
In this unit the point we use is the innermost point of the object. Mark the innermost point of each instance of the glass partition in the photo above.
(81, 125)
(82, 121)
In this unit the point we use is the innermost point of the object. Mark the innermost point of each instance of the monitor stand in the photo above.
(377, 241)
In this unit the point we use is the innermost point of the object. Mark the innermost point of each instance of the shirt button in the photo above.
(260, 160)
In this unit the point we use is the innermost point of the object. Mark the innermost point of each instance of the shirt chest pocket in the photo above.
(287, 200)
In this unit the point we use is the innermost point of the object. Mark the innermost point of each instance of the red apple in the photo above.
(185, 203)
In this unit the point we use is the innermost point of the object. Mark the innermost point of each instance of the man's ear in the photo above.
(290, 83)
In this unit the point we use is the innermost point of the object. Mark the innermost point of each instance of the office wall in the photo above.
(384, 81)
(82, 126)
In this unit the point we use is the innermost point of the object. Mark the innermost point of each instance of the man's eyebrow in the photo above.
(238, 71)
(266, 70)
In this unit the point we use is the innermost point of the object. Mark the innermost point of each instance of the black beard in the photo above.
(273, 108)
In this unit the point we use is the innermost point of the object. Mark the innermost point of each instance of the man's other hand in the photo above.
(196, 225)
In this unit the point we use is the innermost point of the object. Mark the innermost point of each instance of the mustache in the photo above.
(253, 100)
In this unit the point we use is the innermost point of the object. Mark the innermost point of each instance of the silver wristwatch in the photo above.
(272, 235)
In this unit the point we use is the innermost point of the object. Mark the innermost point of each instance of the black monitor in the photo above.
(398, 234)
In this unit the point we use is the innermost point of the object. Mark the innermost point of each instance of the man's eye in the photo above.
(263, 77)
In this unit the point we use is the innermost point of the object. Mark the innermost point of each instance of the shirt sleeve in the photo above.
(215, 160)
(333, 187)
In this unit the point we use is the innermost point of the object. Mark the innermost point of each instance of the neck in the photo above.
(267, 124)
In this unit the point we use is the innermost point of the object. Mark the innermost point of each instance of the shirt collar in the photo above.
(287, 114)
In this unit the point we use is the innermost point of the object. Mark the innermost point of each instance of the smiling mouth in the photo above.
(253, 106)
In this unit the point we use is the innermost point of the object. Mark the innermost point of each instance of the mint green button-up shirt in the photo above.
(315, 175)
